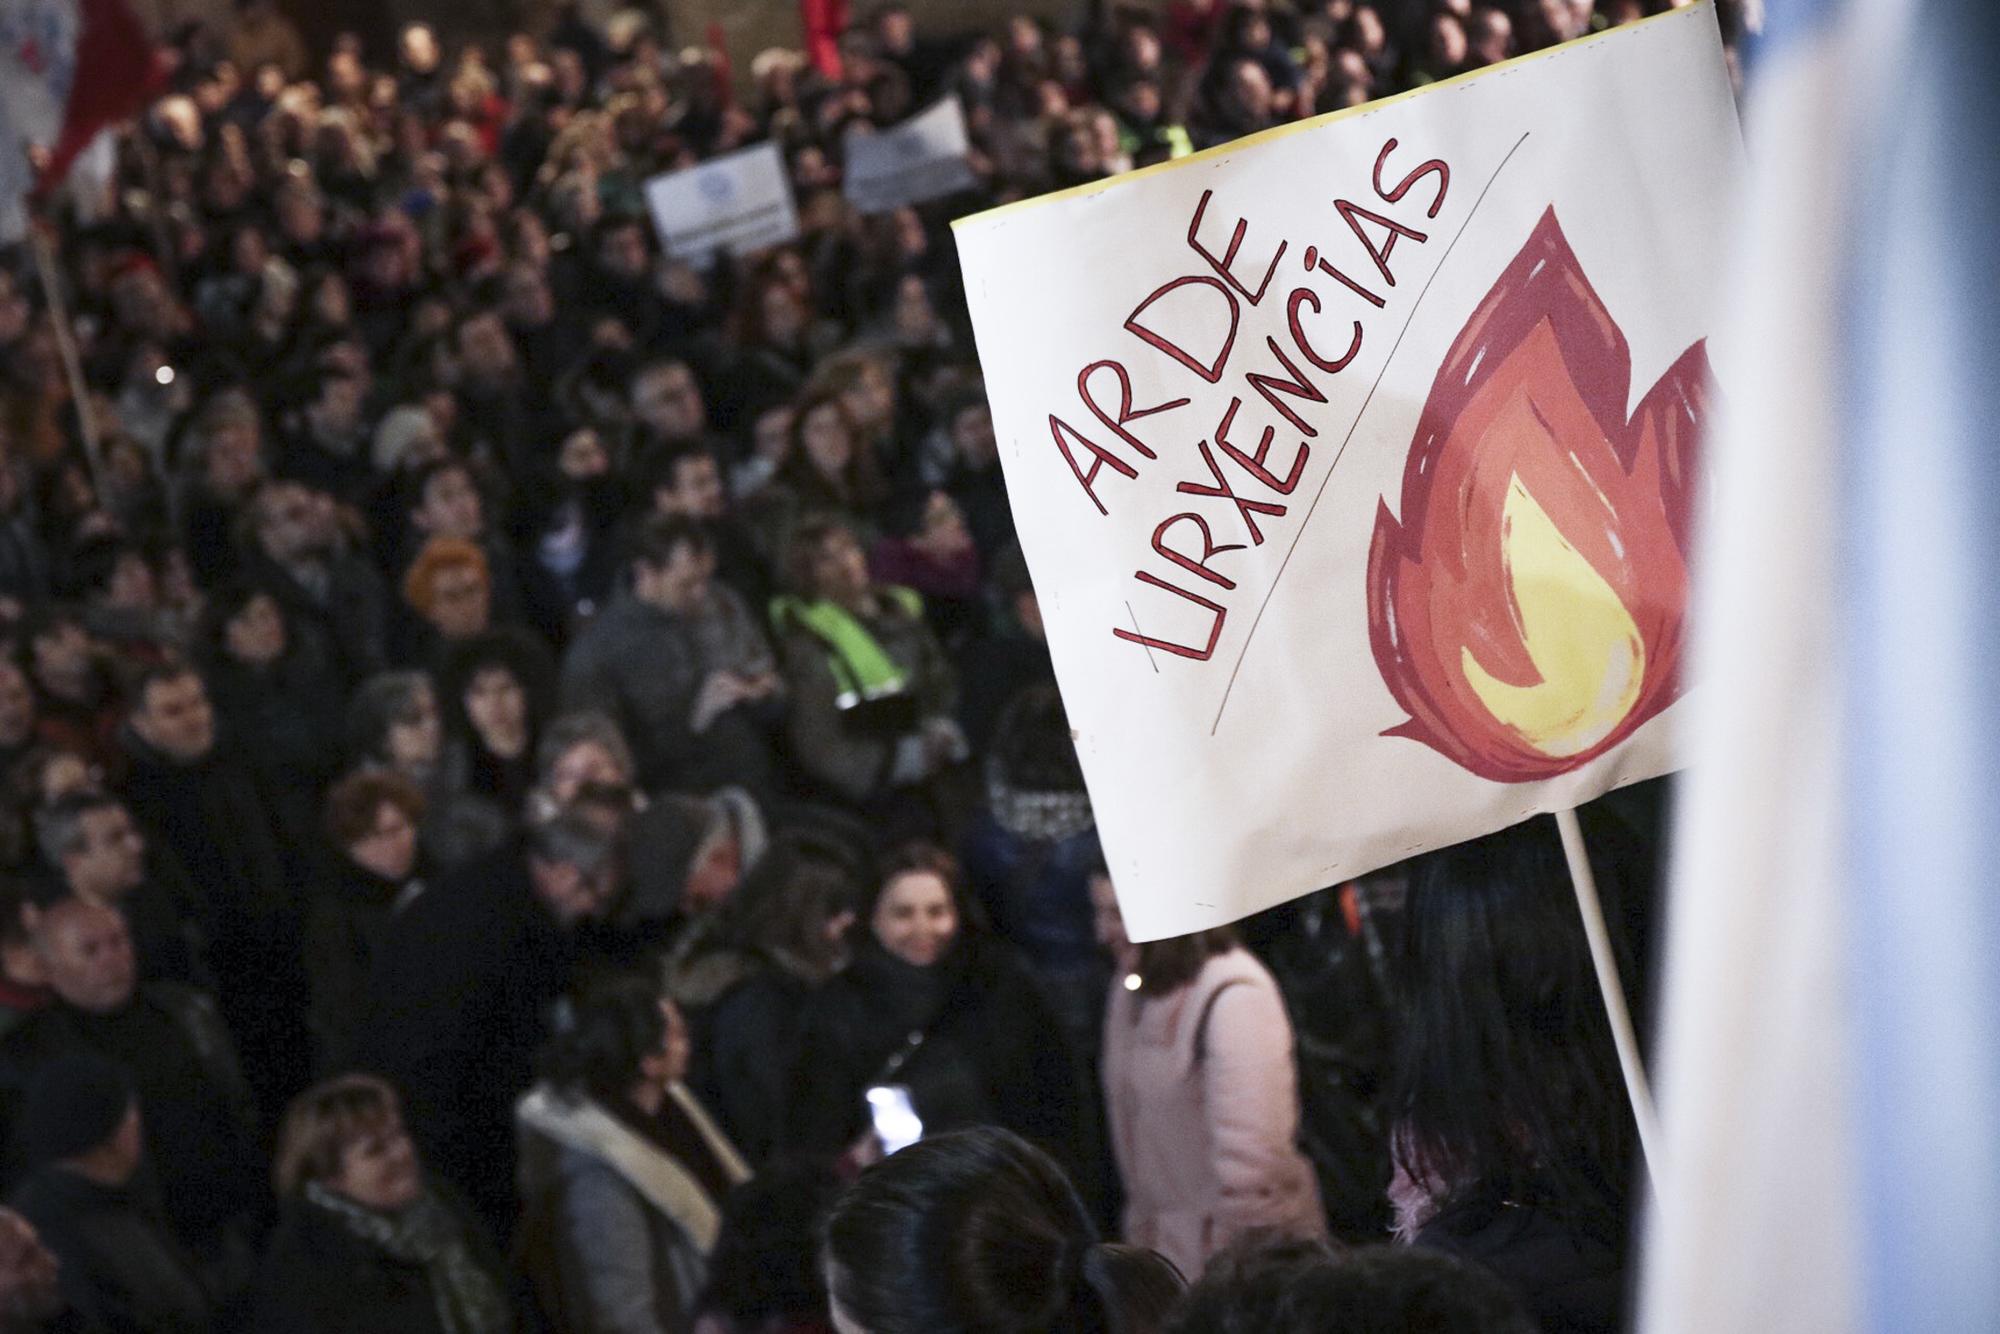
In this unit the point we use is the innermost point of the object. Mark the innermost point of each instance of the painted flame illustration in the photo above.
(1526, 609)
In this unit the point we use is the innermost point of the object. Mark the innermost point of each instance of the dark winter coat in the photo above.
(1029, 857)
(120, 1267)
(198, 1117)
(456, 1009)
(284, 719)
(745, 1009)
(319, 1278)
(991, 1051)
(1570, 1282)
(212, 817)
(349, 916)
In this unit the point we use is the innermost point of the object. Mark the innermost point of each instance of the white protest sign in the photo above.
(1353, 463)
(922, 158)
(738, 202)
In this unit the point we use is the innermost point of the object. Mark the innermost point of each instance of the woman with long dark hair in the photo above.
(1513, 1137)
(829, 470)
(623, 1171)
(773, 338)
(496, 693)
(979, 1232)
(278, 697)
(747, 972)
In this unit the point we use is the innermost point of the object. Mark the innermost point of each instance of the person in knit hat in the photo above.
(95, 1206)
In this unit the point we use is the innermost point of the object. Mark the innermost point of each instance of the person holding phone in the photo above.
(683, 667)
(934, 1006)
(872, 693)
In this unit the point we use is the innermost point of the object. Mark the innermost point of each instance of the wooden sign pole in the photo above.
(52, 292)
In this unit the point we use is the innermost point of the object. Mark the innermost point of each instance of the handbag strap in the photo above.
(1208, 1006)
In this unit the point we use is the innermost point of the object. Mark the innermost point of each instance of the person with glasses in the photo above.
(371, 870)
(367, 1238)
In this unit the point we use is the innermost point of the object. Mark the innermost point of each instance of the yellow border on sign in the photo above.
(1277, 132)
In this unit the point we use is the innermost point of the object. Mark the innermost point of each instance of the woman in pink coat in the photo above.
(1202, 1094)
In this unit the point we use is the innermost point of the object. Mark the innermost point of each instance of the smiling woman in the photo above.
(934, 1004)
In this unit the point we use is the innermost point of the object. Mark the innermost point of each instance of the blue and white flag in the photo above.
(1830, 1065)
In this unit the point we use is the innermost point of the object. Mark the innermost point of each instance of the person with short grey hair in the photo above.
(98, 853)
(578, 748)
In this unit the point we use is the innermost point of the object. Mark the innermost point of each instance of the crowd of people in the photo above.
(525, 759)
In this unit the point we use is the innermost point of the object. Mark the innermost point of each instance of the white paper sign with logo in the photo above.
(739, 202)
(1354, 463)
(923, 158)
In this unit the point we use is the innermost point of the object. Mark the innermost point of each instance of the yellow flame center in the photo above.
(1584, 644)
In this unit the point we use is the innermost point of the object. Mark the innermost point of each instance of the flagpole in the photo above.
(52, 292)
(1644, 1113)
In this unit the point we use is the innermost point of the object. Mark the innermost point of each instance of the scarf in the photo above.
(666, 1184)
(910, 996)
(1044, 816)
(468, 1300)
(861, 667)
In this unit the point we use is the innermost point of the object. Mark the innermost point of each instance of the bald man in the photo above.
(199, 1124)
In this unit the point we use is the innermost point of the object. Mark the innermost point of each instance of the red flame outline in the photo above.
(1619, 491)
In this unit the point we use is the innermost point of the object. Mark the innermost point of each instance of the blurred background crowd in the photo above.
(507, 736)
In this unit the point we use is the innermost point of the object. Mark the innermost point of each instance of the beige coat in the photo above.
(1205, 1115)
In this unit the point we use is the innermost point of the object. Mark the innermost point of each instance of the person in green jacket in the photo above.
(871, 690)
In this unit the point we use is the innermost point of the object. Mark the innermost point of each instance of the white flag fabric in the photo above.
(1829, 1077)
(1353, 463)
(738, 202)
(921, 159)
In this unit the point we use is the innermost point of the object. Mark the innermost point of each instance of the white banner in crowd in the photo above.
(923, 158)
(738, 202)
(1353, 463)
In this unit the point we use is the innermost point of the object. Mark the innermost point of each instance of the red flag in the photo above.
(824, 20)
(725, 75)
(117, 71)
